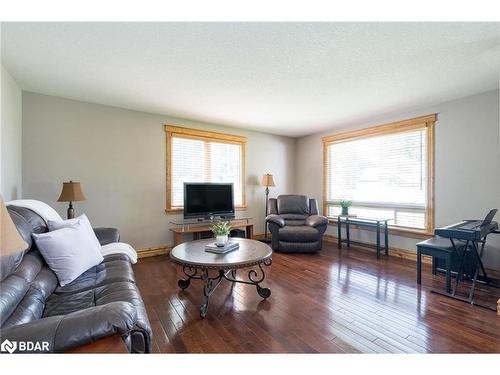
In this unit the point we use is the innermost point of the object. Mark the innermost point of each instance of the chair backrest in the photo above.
(293, 204)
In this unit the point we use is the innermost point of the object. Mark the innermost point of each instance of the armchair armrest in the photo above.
(107, 235)
(65, 332)
(316, 220)
(276, 219)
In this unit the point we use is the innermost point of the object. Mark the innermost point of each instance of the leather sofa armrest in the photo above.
(65, 332)
(107, 235)
(276, 219)
(316, 220)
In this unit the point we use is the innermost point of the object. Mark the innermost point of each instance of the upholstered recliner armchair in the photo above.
(295, 225)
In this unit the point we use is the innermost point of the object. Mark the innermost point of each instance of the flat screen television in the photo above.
(203, 200)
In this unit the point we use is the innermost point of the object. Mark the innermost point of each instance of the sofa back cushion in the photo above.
(293, 204)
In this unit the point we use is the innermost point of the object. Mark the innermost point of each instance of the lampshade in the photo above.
(71, 192)
(11, 241)
(267, 180)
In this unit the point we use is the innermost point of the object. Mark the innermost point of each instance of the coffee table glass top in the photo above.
(193, 253)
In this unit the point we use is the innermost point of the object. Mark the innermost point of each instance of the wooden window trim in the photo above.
(420, 122)
(202, 135)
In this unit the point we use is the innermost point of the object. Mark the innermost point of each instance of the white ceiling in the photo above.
(284, 78)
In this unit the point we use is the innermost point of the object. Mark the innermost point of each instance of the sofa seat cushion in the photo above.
(298, 234)
(122, 291)
(113, 269)
(66, 303)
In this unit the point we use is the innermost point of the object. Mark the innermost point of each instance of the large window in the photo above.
(201, 156)
(386, 171)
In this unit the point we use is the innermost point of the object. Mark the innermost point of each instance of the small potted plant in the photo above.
(221, 232)
(345, 206)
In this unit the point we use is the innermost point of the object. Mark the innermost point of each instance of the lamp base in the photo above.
(71, 213)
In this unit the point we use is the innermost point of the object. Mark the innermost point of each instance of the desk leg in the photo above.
(348, 235)
(339, 233)
(250, 231)
(386, 238)
(378, 240)
(448, 273)
(419, 267)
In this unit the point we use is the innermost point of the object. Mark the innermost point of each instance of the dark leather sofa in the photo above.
(102, 302)
(295, 225)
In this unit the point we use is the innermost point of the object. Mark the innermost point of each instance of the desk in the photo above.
(198, 227)
(378, 224)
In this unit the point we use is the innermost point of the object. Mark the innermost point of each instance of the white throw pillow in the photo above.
(69, 251)
(82, 219)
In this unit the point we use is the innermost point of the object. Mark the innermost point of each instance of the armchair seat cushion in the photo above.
(302, 233)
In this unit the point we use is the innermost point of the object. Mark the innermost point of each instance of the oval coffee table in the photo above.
(196, 264)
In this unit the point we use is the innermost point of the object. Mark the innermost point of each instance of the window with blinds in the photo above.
(200, 156)
(385, 171)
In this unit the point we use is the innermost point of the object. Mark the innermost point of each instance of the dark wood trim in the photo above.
(107, 345)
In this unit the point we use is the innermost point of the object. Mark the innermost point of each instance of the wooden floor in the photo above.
(326, 303)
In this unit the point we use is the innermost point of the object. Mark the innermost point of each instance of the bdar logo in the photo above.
(8, 346)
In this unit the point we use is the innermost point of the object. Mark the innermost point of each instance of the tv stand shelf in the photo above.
(196, 227)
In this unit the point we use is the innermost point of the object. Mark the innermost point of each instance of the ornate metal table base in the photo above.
(211, 283)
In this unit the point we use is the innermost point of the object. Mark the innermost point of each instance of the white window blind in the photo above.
(199, 160)
(383, 175)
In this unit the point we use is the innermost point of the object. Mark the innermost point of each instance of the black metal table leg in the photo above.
(347, 234)
(211, 283)
(448, 272)
(191, 273)
(378, 239)
(419, 266)
(386, 238)
(255, 279)
(339, 232)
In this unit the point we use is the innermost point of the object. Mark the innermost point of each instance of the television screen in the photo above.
(208, 199)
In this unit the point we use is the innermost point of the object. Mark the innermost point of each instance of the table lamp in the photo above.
(11, 241)
(71, 192)
(267, 181)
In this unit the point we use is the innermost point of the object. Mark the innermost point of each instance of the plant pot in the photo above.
(345, 211)
(221, 241)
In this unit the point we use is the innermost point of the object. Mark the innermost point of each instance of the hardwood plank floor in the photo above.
(333, 302)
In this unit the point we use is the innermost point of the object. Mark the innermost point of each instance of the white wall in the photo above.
(10, 138)
(467, 164)
(119, 157)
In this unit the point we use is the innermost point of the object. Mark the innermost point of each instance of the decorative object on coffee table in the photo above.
(345, 206)
(71, 192)
(221, 232)
(198, 264)
(267, 181)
